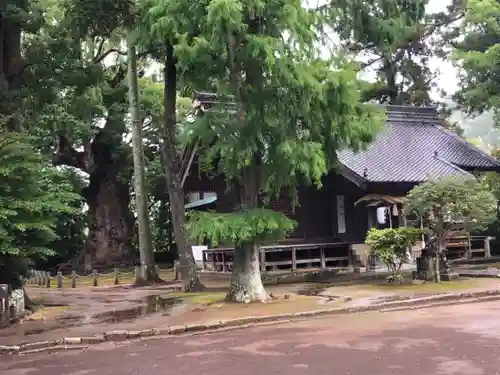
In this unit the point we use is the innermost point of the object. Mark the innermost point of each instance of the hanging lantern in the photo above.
(395, 210)
(381, 219)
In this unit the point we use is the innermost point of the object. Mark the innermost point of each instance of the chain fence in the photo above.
(44, 278)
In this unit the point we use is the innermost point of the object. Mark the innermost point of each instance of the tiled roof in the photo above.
(413, 147)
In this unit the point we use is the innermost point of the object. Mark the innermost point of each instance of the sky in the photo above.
(448, 73)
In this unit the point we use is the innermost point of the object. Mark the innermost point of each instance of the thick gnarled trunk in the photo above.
(110, 222)
(246, 282)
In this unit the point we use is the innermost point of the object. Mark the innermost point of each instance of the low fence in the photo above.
(44, 278)
(318, 255)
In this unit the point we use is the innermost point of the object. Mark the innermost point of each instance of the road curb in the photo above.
(474, 275)
(75, 343)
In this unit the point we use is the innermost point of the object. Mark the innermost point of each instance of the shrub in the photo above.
(391, 247)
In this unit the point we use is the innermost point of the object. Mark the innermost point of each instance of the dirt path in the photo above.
(88, 311)
(466, 341)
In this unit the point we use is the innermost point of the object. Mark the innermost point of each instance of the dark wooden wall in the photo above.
(316, 214)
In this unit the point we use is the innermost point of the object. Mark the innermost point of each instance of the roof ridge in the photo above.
(454, 166)
(467, 144)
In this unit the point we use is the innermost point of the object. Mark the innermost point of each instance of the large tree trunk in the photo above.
(246, 282)
(189, 275)
(108, 199)
(148, 270)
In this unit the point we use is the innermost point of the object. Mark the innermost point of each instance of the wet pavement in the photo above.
(446, 340)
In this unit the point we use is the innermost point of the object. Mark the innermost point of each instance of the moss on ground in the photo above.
(427, 287)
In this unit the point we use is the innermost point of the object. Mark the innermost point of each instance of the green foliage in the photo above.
(32, 196)
(395, 35)
(451, 204)
(296, 110)
(258, 225)
(391, 247)
(477, 52)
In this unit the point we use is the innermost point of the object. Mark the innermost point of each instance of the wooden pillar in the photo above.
(203, 260)
(223, 256)
(487, 248)
(294, 259)
(59, 278)
(350, 259)
(262, 261)
(322, 256)
(468, 250)
(214, 266)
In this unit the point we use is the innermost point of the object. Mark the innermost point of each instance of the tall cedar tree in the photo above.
(148, 271)
(288, 113)
(163, 26)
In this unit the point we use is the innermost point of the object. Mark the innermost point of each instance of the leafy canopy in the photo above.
(260, 226)
(478, 54)
(295, 110)
(32, 196)
(451, 204)
(288, 110)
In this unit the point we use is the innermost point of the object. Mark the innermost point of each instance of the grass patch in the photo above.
(201, 298)
(428, 287)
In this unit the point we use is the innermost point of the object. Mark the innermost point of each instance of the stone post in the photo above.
(487, 248)
(95, 276)
(59, 279)
(47, 279)
(38, 276)
(4, 303)
(73, 279)
(116, 276)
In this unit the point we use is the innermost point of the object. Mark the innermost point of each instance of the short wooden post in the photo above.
(73, 279)
(116, 276)
(59, 280)
(350, 259)
(263, 267)
(294, 259)
(214, 259)
(95, 276)
(47, 279)
(322, 256)
(137, 272)
(487, 248)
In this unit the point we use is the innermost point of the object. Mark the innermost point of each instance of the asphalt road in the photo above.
(462, 340)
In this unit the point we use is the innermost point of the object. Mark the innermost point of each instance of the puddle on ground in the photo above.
(148, 305)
